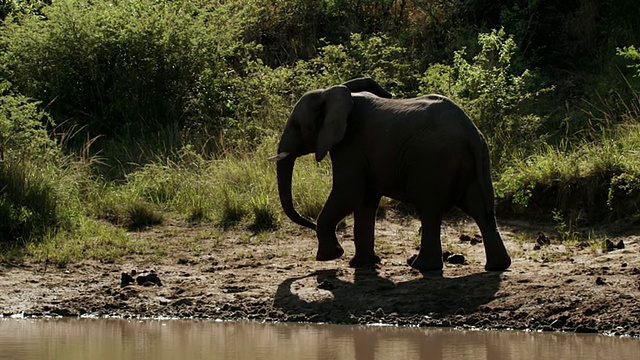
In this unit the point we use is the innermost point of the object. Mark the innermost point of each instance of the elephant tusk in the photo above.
(279, 157)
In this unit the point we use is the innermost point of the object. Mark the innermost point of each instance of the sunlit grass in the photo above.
(609, 166)
(92, 240)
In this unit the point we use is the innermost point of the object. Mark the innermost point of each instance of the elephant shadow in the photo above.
(373, 298)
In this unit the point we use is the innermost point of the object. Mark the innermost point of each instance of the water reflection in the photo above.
(181, 339)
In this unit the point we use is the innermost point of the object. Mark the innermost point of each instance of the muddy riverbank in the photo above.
(265, 277)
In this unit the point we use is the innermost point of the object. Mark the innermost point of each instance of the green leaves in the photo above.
(492, 91)
(23, 135)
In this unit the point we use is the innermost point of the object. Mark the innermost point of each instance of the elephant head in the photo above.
(318, 122)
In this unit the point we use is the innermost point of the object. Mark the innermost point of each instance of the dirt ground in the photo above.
(273, 277)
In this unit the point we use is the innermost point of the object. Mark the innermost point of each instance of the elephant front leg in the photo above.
(429, 257)
(364, 232)
(336, 209)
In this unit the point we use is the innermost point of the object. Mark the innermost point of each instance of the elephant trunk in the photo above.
(285, 176)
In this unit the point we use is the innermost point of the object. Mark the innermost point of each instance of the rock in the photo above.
(610, 245)
(445, 255)
(477, 239)
(126, 279)
(149, 279)
(141, 279)
(558, 323)
(600, 281)
(456, 259)
(542, 240)
(326, 285)
(153, 279)
(585, 329)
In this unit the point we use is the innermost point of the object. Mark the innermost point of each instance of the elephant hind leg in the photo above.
(473, 203)
(429, 257)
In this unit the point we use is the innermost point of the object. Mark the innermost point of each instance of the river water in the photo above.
(99, 339)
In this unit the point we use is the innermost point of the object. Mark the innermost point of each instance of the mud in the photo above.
(273, 277)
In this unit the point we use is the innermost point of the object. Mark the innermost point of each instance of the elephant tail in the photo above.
(483, 169)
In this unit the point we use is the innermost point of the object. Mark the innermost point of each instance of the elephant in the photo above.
(424, 150)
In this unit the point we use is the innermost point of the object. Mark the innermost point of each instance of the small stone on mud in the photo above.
(542, 240)
(476, 239)
(153, 279)
(149, 279)
(456, 259)
(126, 279)
(600, 281)
(326, 285)
(558, 323)
(614, 246)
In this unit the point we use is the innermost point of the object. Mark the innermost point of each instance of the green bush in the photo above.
(23, 133)
(32, 7)
(128, 68)
(34, 198)
(492, 92)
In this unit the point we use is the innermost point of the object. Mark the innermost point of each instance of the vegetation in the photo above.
(118, 114)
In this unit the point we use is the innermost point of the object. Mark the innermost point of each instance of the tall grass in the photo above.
(600, 180)
(239, 188)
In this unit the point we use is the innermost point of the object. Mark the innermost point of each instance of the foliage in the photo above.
(33, 197)
(23, 133)
(31, 7)
(127, 68)
(492, 91)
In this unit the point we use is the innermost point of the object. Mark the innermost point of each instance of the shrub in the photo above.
(375, 56)
(128, 68)
(492, 92)
(37, 191)
(23, 133)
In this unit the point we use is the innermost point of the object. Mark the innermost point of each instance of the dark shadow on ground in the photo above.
(372, 298)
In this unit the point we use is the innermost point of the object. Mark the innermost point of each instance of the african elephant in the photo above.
(425, 151)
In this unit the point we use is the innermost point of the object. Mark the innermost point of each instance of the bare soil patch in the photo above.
(273, 277)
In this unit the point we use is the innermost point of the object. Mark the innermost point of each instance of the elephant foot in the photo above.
(329, 253)
(360, 261)
(498, 264)
(421, 264)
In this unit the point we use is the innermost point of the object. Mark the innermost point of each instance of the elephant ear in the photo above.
(337, 107)
(369, 85)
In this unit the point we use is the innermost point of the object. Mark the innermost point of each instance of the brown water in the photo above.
(99, 339)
